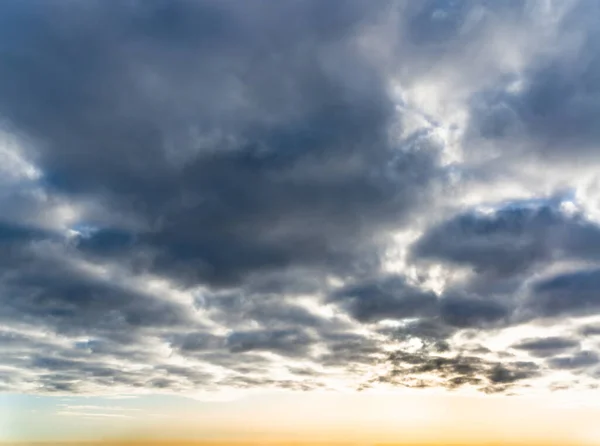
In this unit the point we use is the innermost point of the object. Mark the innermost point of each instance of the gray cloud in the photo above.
(197, 193)
(567, 294)
(546, 346)
(558, 103)
(430, 331)
(511, 240)
(393, 298)
(390, 298)
(213, 143)
(38, 289)
(283, 161)
(590, 330)
(269, 310)
(472, 312)
(198, 341)
(417, 369)
(580, 360)
(286, 342)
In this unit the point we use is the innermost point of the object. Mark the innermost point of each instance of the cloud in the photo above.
(216, 194)
(590, 330)
(546, 346)
(286, 342)
(424, 369)
(472, 312)
(567, 294)
(197, 341)
(510, 240)
(580, 360)
(557, 103)
(348, 349)
(388, 298)
(286, 162)
(267, 309)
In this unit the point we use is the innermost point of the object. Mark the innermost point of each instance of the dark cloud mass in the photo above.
(511, 240)
(239, 147)
(546, 346)
(390, 298)
(556, 110)
(567, 294)
(206, 195)
(582, 360)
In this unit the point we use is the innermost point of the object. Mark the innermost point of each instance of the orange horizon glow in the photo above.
(280, 443)
(176, 442)
(401, 418)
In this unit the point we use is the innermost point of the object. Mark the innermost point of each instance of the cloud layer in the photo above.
(218, 195)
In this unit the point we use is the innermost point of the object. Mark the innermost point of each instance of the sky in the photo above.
(341, 220)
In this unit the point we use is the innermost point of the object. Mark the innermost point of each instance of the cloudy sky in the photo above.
(255, 213)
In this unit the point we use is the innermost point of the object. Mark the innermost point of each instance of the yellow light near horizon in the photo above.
(294, 443)
(404, 418)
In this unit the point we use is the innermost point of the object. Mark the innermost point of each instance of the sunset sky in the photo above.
(300, 220)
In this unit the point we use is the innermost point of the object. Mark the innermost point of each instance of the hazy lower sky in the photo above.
(404, 417)
(321, 220)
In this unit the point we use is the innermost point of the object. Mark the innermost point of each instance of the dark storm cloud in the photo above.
(504, 248)
(392, 297)
(89, 324)
(123, 328)
(106, 242)
(211, 172)
(198, 341)
(243, 146)
(71, 302)
(291, 342)
(59, 303)
(433, 321)
(557, 108)
(569, 294)
(511, 240)
(546, 346)
(215, 143)
(387, 298)
(465, 312)
(11, 234)
(436, 25)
